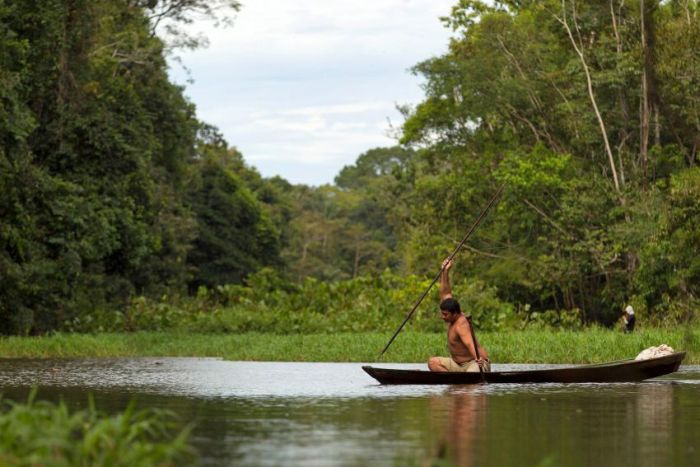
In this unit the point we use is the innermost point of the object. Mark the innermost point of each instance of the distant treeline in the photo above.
(111, 189)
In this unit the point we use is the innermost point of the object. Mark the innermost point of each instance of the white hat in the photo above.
(629, 310)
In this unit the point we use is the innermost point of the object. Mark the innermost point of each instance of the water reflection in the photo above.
(645, 424)
(653, 411)
(252, 414)
(461, 421)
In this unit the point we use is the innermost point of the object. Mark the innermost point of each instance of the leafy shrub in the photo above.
(43, 433)
(562, 319)
(367, 303)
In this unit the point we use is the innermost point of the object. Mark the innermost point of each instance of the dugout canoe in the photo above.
(613, 372)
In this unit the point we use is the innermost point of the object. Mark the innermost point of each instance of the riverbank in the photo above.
(530, 346)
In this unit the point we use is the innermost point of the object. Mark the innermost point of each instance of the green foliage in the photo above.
(684, 231)
(335, 234)
(43, 433)
(540, 169)
(510, 102)
(268, 304)
(372, 166)
(96, 147)
(116, 201)
(590, 345)
(234, 237)
(101, 141)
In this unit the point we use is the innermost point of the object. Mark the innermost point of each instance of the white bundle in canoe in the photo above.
(654, 352)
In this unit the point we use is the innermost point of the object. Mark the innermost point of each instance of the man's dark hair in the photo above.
(451, 305)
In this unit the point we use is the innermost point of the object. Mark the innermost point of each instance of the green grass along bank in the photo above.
(593, 345)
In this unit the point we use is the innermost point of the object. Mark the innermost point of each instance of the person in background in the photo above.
(628, 319)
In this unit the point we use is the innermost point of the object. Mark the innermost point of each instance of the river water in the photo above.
(333, 414)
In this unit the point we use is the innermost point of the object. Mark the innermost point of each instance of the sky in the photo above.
(303, 87)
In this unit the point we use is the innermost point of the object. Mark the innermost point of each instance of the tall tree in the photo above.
(103, 140)
(235, 237)
(539, 94)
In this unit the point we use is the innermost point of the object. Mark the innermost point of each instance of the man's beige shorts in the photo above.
(470, 366)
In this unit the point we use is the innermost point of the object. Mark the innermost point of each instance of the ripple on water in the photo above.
(271, 413)
(211, 377)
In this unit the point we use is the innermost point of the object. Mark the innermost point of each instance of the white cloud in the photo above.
(348, 126)
(304, 87)
(352, 108)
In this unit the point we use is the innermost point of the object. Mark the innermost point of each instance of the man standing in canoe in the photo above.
(460, 338)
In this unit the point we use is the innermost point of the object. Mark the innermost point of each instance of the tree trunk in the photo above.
(650, 101)
(644, 114)
(589, 82)
(624, 107)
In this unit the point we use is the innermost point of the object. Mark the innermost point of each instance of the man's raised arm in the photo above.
(445, 288)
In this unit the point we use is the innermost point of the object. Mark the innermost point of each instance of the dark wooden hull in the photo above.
(614, 372)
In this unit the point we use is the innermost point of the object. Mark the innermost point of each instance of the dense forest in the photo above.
(113, 193)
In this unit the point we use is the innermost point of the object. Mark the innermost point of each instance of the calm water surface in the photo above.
(328, 414)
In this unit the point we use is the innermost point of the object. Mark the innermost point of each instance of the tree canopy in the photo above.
(111, 188)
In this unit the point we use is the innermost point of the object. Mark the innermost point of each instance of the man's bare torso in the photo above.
(458, 350)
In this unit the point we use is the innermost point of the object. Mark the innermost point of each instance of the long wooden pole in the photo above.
(449, 258)
(476, 348)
